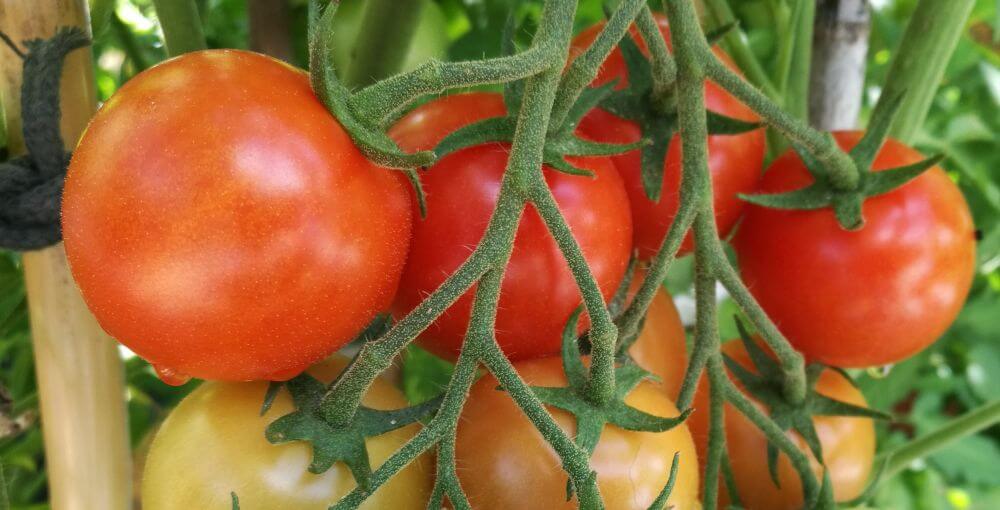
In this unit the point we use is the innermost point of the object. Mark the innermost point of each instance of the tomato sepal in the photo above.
(764, 383)
(558, 145)
(656, 118)
(331, 444)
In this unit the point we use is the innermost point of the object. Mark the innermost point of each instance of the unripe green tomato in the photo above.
(213, 443)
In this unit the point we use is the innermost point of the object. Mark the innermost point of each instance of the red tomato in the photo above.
(538, 293)
(221, 223)
(870, 297)
(848, 446)
(735, 162)
(504, 463)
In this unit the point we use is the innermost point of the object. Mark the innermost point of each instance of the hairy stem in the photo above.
(584, 67)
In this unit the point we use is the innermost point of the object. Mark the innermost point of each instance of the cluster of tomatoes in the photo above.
(221, 224)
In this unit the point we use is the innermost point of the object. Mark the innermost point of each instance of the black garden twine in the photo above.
(31, 185)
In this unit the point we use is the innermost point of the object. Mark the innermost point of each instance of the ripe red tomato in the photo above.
(870, 297)
(661, 347)
(221, 223)
(848, 446)
(735, 161)
(213, 443)
(538, 293)
(504, 462)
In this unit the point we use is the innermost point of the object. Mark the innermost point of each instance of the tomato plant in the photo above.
(868, 297)
(735, 161)
(213, 443)
(848, 445)
(245, 245)
(538, 293)
(504, 462)
(661, 347)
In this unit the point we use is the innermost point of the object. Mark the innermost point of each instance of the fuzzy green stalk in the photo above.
(969, 423)
(841, 170)
(343, 399)
(663, 67)
(181, 26)
(380, 102)
(811, 488)
(921, 57)
(737, 48)
(585, 66)
(384, 40)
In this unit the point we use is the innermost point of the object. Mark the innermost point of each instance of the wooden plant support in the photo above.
(80, 375)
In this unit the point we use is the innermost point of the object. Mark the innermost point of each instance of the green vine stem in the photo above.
(920, 61)
(971, 422)
(384, 40)
(581, 71)
(663, 67)
(603, 333)
(796, 90)
(181, 26)
(737, 48)
(378, 103)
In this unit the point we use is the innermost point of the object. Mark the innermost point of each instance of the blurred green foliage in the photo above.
(959, 372)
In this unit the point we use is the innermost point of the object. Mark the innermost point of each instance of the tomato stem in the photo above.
(921, 57)
(663, 67)
(585, 66)
(737, 47)
(969, 423)
(181, 26)
(384, 40)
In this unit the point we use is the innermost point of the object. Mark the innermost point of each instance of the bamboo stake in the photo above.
(80, 375)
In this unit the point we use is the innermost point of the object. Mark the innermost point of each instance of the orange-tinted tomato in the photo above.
(538, 293)
(213, 443)
(869, 297)
(662, 345)
(848, 446)
(221, 223)
(504, 463)
(734, 161)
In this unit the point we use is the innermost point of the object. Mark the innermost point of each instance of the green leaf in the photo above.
(878, 183)
(661, 499)
(878, 130)
(660, 132)
(719, 124)
(425, 376)
(814, 196)
(576, 373)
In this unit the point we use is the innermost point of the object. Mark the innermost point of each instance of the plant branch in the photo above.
(737, 48)
(970, 423)
(584, 67)
(920, 61)
(181, 26)
(384, 40)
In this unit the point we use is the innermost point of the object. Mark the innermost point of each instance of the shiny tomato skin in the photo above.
(735, 162)
(538, 293)
(221, 224)
(870, 297)
(213, 443)
(504, 463)
(661, 347)
(848, 446)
